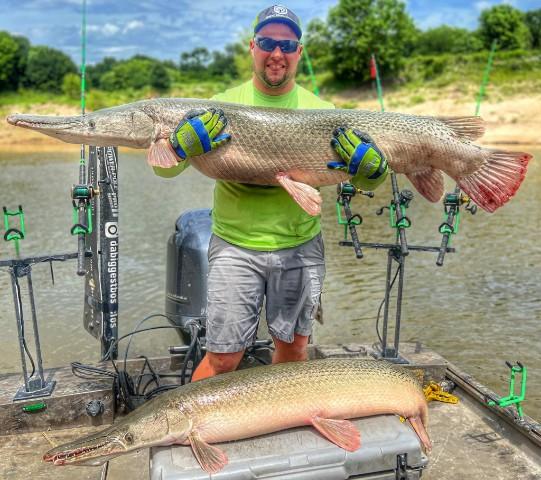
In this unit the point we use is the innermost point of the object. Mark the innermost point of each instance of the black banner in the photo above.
(101, 289)
(108, 161)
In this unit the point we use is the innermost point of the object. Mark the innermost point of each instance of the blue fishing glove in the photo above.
(199, 132)
(361, 158)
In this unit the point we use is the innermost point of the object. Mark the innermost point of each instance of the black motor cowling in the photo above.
(187, 270)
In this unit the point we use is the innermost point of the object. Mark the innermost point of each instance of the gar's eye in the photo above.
(91, 123)
(129, 438)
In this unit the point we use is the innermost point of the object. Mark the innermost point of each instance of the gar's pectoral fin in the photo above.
(340, 432)
(161, 155)
(429, 183)
(305, 196)
(211, 458)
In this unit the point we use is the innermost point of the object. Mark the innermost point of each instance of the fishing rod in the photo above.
(400, 199)
(512, 398)
(374, 74)
(396, 252)
(453, 201)
(315, 89)
(486, 76)
(82, 193)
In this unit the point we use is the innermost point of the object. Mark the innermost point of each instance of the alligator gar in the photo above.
(255, 401)
(291, 148)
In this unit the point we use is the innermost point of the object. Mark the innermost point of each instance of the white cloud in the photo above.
(132, 25)
(118, 50)
(482, 5)
(110, 29)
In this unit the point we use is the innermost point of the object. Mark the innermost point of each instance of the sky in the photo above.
(163, 28)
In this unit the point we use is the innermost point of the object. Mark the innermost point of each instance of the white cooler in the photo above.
(389, 450)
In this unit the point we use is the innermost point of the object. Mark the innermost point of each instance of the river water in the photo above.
(481, 308)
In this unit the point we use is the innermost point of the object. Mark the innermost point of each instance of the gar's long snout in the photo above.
(91, 450)
(117, 126)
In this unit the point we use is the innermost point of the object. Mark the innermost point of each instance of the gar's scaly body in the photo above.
(291, 147)
(259, 400)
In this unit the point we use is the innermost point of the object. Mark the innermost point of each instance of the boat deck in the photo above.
(469, 441)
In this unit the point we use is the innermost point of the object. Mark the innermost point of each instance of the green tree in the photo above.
(506, 25)
(316, 42)
(95, 72)
(13, 59)
(24, 48)
(46, 68)
(196, 61)
(533, 21)
(359, 28)
(9, 60)
(133, 73)
(159, 78)
(445, 39)
(223, 63)
(242, 57)
(71, 85)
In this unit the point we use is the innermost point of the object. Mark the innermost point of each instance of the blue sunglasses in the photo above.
(269, 44)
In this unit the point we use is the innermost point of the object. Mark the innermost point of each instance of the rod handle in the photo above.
(81, 270)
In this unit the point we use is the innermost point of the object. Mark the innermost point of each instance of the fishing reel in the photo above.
(451, 207)
(346, 191)
(456, 199)
(83, 192)
(404, 199)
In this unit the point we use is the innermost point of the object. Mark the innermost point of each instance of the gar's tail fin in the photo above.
(497, 180)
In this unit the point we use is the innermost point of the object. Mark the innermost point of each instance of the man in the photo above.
(264, 246)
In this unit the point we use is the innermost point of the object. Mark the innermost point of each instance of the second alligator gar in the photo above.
(291, 148)
(259, 400)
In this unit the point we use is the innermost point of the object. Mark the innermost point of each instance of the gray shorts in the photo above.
(239, 279)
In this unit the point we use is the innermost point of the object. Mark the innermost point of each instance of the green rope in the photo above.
(486, 75)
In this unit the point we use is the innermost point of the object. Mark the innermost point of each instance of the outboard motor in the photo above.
(187, 270)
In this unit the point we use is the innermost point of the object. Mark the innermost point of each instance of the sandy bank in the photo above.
(514, 120)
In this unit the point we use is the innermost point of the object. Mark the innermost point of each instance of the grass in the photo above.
(417, 99)
(31, 97)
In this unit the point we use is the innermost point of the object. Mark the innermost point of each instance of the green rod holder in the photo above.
(343, 221)
(14, 234)
(512, 398)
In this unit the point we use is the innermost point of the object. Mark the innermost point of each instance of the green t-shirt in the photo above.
(261, 217)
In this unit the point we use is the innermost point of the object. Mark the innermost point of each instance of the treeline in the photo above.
(353, 30)
(47, 69)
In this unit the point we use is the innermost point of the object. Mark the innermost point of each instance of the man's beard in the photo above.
(262, 75)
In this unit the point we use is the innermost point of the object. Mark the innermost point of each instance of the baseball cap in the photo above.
(278, 14)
